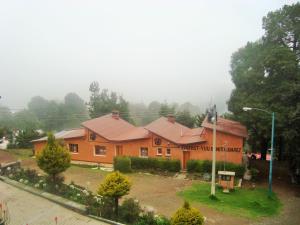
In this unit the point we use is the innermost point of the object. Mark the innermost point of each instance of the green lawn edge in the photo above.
(248, 203)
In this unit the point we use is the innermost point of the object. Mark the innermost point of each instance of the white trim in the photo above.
(141, 152)
(159, 154)
(75, 153)
(167, 152)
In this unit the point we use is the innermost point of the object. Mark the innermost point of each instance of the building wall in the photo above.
(86, 148)
(229, 147)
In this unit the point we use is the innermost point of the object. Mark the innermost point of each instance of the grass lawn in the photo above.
(243, 202)
(22, 153)
(16, 154)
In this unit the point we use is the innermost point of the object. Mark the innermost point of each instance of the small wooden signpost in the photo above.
(226, 180)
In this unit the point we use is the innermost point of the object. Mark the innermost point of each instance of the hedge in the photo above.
(122, 164)
(158, 164)
(204, 166)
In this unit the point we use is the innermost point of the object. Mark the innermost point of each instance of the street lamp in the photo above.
(272, 142)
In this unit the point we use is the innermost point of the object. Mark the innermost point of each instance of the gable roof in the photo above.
(115, 129)
(65, 134)
(174, 132)
(227, 126)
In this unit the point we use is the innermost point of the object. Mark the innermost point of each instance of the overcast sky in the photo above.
(145, 50)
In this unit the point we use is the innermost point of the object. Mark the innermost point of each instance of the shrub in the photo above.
(191, 165)
(204, 166)
(187, 216)
(54, 158)
(130, 211)
(122, 164)
(115, 186)
(31, 175)
(149, 218)
(156, 164)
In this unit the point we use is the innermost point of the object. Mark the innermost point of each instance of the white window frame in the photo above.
(100, 155)
(167, 152)
(141, 152)
(72, 151)
(159, 154)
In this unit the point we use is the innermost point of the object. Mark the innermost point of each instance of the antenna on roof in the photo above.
(212, 114)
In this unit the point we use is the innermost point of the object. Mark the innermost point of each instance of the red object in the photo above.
(258, 156)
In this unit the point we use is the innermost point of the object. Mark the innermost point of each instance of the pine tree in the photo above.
(54, 158)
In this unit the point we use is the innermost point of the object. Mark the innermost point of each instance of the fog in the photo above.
(174, 51)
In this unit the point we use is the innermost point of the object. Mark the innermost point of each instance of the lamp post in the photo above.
(213, 119)
(272, 143)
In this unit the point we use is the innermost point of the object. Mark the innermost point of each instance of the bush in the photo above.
(122, 164)
(187, 215)
(149, 218)
(156, 164)
(130, 211)
(54, 158)
(31, 175)
(114, 186)
(204, 166)
(191, 165)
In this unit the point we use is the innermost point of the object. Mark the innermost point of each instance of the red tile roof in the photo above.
(227, 126)
(174, 132)
(65, 134)
(115, 129)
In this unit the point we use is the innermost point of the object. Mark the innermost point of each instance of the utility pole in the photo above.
(213, 170)
(272, 154)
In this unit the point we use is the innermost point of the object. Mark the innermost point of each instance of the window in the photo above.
(159, 151)
(225, 177)
(157, 141)
(92, 136)
(144, 152)
(73, 148)
(168, 152)
(100, 150)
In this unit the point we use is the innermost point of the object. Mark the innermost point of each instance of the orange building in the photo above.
(103, 138)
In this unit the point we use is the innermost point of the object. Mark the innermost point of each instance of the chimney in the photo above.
(115, 114)
(171, 118)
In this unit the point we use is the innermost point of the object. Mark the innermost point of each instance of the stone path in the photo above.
(25, 208)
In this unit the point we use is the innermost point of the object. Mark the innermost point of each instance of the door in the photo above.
(119, 150)
(186, 157)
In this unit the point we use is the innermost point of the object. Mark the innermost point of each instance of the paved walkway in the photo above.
(25, 208)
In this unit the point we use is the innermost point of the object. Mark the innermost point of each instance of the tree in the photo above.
(105, 102)
(282, 27)
(6, 117)
(54, 158)
(38, 106)
(199, 119)
(53, 115)
(166, 109)
(73, 110)
(187, 216)
(24, 138)
(266, 75)
(115, 186)
(185, 118)
(25, 120)
(48, 113)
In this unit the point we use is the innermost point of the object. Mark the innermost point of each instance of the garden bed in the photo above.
(80, 199)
